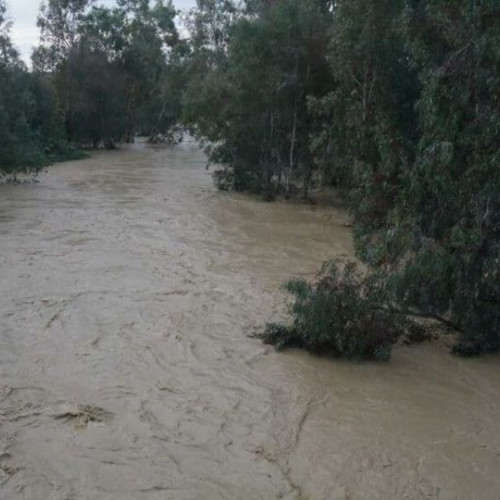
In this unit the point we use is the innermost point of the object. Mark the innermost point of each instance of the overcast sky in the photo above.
(23, 14)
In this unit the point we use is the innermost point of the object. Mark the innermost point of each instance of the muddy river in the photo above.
(128, 289)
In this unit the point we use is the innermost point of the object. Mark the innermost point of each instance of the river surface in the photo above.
(128, 290)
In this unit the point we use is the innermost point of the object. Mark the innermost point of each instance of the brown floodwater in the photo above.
(128, 290)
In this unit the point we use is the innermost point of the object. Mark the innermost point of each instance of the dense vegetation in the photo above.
(342, 314)
(30, 126)
(100, 76)
(397, 102)
(394, 102)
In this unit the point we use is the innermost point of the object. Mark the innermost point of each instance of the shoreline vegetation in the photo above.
(393, 103)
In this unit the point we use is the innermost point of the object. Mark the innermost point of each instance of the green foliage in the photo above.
(97, 111)
(451, 195)
(118, 70)
(100, 76)
(30, 129)
(342, 314)
(409, 128)
(250, 76)
(367, 125)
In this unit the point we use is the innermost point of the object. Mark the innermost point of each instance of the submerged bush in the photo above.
(223, 179)
(342, 314)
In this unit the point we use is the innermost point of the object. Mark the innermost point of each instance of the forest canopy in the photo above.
(394, 102)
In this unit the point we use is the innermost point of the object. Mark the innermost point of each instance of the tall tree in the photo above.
(97, 112)
(59, 22)
(30, 132)
(110, 67)
(451, 197)
(141, 39)
(251, 75)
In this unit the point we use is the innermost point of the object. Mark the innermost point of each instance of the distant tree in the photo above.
(140, 39)
(131, 44)
(97, 110)
(29, 133)
(59, 22)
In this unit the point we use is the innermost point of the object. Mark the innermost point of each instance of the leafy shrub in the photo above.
(341, 314)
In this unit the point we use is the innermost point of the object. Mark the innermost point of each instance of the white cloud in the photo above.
(25, 33)
(23, 14)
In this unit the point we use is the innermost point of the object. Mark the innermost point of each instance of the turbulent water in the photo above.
(128, 290)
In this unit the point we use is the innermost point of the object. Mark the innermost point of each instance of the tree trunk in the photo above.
(292, 152)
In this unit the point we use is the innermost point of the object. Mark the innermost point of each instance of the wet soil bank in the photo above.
(127, 288)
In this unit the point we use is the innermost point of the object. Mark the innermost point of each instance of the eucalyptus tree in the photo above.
(13, 102)
(253, 67)
(110, 66)
(97, 113)
(428, 216)
(367, 121)
(209, 25)
(451, 196)
(59, 23)
(141, 38)
(410, 129)
(30, 132)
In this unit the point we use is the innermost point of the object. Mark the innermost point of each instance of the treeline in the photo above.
(31, 128)
(115, 69)
(395, 102)
(99, 77)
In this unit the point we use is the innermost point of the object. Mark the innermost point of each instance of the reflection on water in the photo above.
(127, 288)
